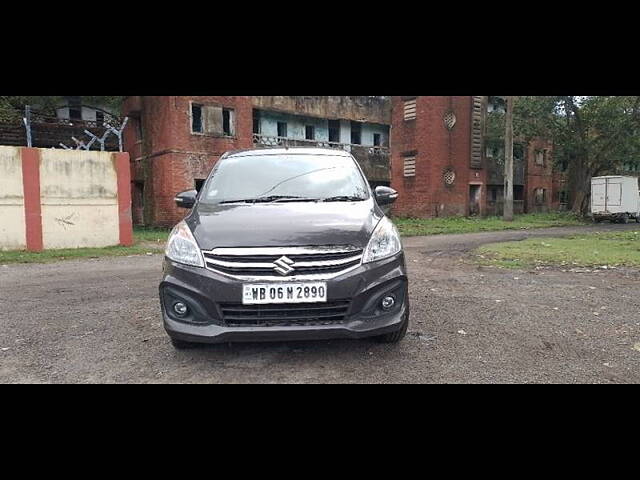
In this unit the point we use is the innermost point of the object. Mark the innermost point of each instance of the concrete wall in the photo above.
(358, 108)
(79, 199)
(64, 199)
(12, 227)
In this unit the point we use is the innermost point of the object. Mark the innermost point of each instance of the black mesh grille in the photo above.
(298, 270)
(301, 314)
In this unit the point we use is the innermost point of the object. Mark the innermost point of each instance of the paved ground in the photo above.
(98, 321)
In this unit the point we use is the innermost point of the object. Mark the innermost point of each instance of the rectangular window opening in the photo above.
(139, 131)
(356, 133)
(227, 122)
(75, 108)
(334, 131)
(518, 193)
(376, 139)
(310, 132)
(282, 129)
(196, 118)
(256, 122)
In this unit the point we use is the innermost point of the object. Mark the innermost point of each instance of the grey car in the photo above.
(284, 244)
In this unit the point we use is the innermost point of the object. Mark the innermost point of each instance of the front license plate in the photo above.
(255, 293)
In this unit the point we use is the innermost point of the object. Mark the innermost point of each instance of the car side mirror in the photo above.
(385, 195)
(186, 199)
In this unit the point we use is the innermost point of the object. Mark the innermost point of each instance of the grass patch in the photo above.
(434, 226)
(151, 234)
(49, 256)
(587, 250)
(147, 240)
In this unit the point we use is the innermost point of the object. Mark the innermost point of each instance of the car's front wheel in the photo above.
(395, 337)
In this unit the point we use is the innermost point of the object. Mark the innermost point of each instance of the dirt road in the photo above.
(98, 321)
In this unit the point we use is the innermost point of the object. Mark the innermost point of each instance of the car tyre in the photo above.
(394, 337)
(624, 219)
(182, 345)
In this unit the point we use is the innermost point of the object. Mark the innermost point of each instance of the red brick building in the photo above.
(167, 157)
(430, 158)
(174, 141)
(437, 151)
(445, 162)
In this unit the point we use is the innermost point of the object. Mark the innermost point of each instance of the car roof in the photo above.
(288, 151)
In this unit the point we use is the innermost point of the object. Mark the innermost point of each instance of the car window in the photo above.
(305, 176)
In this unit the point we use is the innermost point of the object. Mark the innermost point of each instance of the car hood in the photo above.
(284, 224)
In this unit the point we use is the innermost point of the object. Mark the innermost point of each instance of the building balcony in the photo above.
(374, 160)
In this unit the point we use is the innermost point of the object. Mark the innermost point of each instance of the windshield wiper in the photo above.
(343, 198)
(272, 198)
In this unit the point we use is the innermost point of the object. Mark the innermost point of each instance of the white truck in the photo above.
(615, 198)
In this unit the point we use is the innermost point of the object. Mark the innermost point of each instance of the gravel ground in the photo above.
(91, 321)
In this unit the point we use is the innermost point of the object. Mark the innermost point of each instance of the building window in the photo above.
(376, 139)
(410, 109)
(334, 131)
(540, 196)
(563, 197)
(496, 194)
(75, 108)
(282, 129)
(212, 120)
(99, 118)
(310, 132)
(356, 133)
(518, 193)
(410, 166)
(256, 122)
(540, 154)
(227, 122)
(196, 118)
(139, 131)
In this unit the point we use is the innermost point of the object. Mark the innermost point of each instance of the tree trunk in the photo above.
(508, 163)
(580, 186)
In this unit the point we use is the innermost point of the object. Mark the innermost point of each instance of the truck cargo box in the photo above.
(615, 198)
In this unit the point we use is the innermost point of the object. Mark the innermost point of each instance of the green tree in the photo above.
(592, 135)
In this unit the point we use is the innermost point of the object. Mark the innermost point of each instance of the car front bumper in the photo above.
(205, 291)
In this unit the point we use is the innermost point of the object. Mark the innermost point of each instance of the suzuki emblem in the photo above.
(283, 266)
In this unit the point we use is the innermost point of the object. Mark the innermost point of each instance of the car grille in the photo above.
(283, 263)
(300, 314)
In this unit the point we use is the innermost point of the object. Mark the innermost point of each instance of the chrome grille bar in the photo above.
(266, 263)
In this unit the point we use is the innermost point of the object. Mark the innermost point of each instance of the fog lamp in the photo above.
(388, 302)
(180, 308)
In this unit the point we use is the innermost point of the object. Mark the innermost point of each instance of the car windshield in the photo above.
(280, 178)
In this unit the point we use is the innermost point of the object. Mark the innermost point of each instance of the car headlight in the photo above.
(384, 242)
(182, 247)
